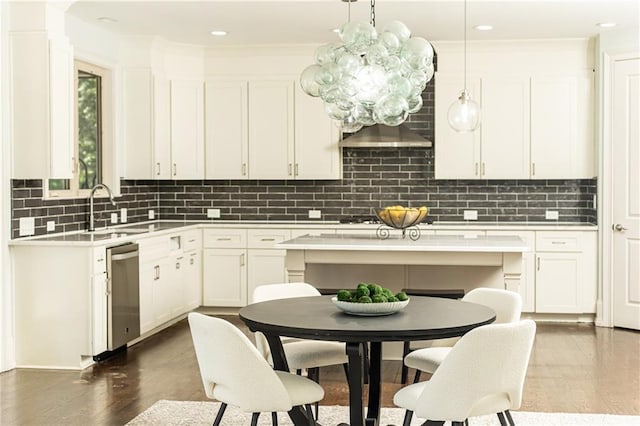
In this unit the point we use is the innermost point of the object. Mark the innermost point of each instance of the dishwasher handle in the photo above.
(125, 256)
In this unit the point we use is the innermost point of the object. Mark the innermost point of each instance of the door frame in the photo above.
(604, 308)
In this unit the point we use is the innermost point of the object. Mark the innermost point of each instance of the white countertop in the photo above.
(440, 243)
(130, 232)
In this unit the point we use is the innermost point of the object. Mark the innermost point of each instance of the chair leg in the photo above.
(254, 419)
(274, 418)
(299, 372)
(416, 379)
(503, 421)
(314, 374)
(345, 367)
(509, 418)
(457, 423)
(407, 418)
(223, 407)
(312, 421)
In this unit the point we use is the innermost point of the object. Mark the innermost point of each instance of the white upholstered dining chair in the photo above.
(507, 305)
(234, 372)
(482, 374)
(301, 354)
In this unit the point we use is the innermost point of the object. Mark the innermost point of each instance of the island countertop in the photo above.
(426, 243)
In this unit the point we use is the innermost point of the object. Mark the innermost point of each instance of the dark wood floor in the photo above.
(573, 368)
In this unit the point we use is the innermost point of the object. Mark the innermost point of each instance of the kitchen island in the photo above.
(503, 251)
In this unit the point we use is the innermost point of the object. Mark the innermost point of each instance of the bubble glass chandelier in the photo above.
(370, 77)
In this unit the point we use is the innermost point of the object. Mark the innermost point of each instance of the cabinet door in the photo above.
(271, 129)
(562, 138)
(505, 128)
(224, 277)
(192, 281)
(557, 283)
(99, 313)
(187, 130)
(317, 155)
(265, 267)
(61, 108)
(457, 155)
(148, 277)
(138, 122)
(226, 130)
(177, 284)
(163, 292)
(161, 128)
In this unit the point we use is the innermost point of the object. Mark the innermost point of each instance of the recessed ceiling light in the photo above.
(483, 27)
(107, 19)
(606, 24)
(218, 33)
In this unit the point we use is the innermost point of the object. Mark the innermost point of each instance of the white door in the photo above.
(626, 194)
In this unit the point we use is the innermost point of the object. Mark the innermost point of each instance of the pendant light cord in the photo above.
(465, 46)
(373, 13)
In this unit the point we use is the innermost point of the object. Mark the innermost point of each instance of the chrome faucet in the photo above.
(91, 195)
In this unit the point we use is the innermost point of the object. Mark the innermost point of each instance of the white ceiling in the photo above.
(263, 22)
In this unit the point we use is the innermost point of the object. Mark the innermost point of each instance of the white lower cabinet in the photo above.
(224, 277)
(265, 267)
(99, 295)
(566, 272)
(192, 289)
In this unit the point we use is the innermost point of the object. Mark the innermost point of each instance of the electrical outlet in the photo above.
(51, 225)
(315, 214)
(27, 226)
(152, 214)
(551, 215)
(114, 217)
(123, 215)
(213, 213)
(471, 215)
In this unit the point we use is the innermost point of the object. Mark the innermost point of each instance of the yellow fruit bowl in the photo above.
(400, 217)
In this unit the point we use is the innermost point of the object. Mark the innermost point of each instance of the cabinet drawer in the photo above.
(99, 260)
(558, 241)
(153, 248)
(225, 238)
(192, 240)
(266, 238)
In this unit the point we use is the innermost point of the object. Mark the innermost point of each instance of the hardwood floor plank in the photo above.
(573, 368)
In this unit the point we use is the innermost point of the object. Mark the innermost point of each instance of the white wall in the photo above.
(609, 46)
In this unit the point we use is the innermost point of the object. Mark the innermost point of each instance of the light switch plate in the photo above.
(551, 215)
(471, 215)
(315, 214)
(51, 225)
(27, 226)
(114, 217)
(123, 215)
(152, 214)
(213, 213)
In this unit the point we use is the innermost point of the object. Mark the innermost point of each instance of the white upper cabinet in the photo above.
(226, 139)
(562, 117)
(457, 155)
(187, 129)
(504, 128)
(271, 129)
(317, 155)
(42, 99)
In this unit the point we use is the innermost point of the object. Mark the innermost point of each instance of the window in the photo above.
(89, 141)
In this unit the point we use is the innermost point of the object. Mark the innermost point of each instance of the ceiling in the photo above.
(263, 22)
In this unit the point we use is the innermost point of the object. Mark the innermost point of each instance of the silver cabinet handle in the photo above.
(295, 169)
(290, 167)
(157, 272)
(175, 169)
(558, 242)
(177, 265)
(242, 259)
(244, 169)
(483, 173)
(125, 256)
(476, 172)
(267, 239)
(158, 167)
(223, 239)
(538, 264)
(533, 169)
(191, 261)
(618, 227)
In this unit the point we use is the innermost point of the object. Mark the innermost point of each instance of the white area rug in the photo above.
(203, 413)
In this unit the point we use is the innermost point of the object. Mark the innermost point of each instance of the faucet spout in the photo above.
(91, 197)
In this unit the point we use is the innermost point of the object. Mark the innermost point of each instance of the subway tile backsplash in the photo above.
(372, 177)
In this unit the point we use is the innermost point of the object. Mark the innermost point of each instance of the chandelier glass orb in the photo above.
(370, 77)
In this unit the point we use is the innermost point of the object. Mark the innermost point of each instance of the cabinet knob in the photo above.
(618, 227)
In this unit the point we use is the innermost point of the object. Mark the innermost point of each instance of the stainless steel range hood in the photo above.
(383, 136)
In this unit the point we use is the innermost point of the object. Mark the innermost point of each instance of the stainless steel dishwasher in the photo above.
(123, 301)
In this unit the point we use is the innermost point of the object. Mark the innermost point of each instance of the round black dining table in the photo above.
(424, 318)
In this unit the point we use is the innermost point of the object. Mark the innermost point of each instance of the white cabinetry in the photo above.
(187, 130)
(99, 295)
(42, 95)
(155, 282)
(532, 127)
(146, 124)
(566, 272)
(562, 126)
(268, 129)
(266, 264)
(224, 267)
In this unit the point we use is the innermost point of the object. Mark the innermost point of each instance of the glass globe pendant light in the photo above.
(464, 113)
(370, 77)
